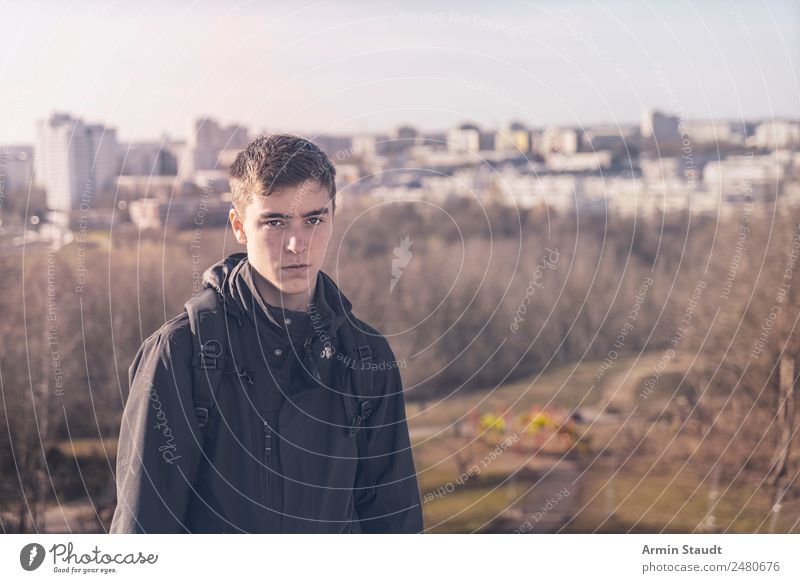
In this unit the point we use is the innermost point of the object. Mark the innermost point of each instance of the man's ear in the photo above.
(238, 226)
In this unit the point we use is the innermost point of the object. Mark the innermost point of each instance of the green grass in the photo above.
(469, 506)
(678, 507)
(561, 387)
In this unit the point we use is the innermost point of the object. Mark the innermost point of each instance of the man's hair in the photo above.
(270, 163)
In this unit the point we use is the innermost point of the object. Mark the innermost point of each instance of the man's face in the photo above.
(289, 227)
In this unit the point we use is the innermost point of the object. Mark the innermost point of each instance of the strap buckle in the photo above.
(210, 351)
(243, 373)
(364, 353)
(355, 426)
(202, 416)
(365, 410)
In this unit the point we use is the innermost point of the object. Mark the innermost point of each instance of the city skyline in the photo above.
(150, 73)
(82, 167)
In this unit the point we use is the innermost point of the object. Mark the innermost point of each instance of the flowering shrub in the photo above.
(549, 429)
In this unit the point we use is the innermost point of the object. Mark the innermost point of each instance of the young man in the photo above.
(267, 406)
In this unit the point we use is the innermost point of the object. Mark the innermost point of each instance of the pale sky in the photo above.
(342, 67)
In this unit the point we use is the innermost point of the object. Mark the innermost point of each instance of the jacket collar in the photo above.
(233, 277)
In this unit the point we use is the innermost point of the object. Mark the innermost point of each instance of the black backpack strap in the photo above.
(209, 333)
(358, 404)
(358, 361)
(362, 388)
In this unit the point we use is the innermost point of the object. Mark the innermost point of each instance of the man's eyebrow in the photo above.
(322, 211)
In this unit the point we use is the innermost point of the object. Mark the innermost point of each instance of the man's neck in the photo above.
(273, 296)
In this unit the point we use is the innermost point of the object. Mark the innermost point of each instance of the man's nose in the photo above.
(296, 244)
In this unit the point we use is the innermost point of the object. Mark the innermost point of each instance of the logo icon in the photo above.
(402, 255)
(327, 352)
(31, 556)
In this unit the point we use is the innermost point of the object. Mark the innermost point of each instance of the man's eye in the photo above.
(320, 219)
(274, 223)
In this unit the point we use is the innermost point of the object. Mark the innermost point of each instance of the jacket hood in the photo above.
(232, 277)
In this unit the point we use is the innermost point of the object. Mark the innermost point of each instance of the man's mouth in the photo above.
(297, 267)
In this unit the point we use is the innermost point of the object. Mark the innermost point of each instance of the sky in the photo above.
(150, 68)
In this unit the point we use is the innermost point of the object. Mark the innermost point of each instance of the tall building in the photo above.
(409, 134)
(207, 141)
(557, 140)
(403, 138)
(148, 159)
(16, 169)
(75, 162)
(464, 138)
(515, 137)
(659, 125)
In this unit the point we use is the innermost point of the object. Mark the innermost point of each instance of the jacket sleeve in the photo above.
(393, 505)
(158, 451)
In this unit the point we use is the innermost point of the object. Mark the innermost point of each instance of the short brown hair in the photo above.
(272, 162)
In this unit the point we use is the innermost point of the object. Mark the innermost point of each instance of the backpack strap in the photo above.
(359, 404)
(362, 387)
(207, 320)
(358, 360)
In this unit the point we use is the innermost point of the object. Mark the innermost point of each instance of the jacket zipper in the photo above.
(267, 441)
(267, 450)
(312, 358)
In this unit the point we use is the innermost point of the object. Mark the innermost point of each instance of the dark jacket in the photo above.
(277, 455)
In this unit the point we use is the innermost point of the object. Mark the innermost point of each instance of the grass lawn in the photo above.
(659, 503)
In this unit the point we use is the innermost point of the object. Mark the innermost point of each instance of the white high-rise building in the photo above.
(75, 162)
(557, 140)
(464, 138)
(515, 138)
